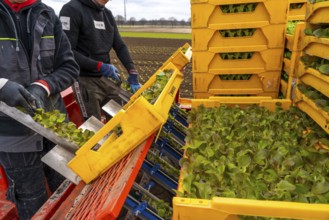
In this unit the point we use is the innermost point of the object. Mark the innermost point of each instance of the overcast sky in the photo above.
(148, 9)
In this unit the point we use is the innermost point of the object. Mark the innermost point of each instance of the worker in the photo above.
(92, 31)
(36, 64)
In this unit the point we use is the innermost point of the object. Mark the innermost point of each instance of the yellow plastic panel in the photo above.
(209, 15)
(208, 95)
(180, 58)
(261, 61)
(309, 107)
(270, 36)
(286, 87)
(283, 87)
(314, 78)
(290, 65)
(317, 13)
(137, 121)
(257, 84)
(265, 100)
(227, 208)
(177, 74)
(297, 14)
(314, 46)
(294, 42)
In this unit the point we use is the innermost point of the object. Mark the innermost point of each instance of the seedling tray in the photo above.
(257, 84)
(229, 208)
(257, 62)
(252, 38)
(211, 14)
(317, 13)
(314, 78)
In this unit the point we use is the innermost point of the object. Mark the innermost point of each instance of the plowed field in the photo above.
(148, 55)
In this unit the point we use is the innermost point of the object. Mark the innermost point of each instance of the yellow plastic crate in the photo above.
(290, 65)
(257, 84)
(314, 78)
(317, 13)
(210, 15)
(286, 87)
(206, 39)
(261, 61)
(309, 107)
(180, 58)
(264, 101)
(314, 46)
(297, 14)
(294, 42)
(206, 95)
(229, 208)
(136, 123)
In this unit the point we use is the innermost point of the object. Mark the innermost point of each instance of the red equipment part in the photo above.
(103, 198)
(72, 107)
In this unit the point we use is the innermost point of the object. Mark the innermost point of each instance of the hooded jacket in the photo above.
(33, 47)
(93, 32)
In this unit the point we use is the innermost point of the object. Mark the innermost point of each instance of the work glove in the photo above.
(14, 94)
(109, 70)
(133, 81)
(40, 95)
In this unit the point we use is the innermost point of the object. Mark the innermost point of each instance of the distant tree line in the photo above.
(172, 21)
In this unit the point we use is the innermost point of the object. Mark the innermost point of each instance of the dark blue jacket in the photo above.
(93, 32)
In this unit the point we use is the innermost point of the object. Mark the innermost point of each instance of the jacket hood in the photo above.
(91, 4)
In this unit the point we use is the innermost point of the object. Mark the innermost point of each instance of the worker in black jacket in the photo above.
(93, 32)
(36, 64)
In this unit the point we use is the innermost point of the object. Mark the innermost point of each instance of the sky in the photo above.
(148, 9)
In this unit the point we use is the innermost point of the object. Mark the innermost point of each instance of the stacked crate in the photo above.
(291, 59)
(312, 94)
(297, 10)
(237, 46)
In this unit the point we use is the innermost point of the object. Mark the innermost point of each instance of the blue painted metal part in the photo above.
(140, 209)
(163, 180)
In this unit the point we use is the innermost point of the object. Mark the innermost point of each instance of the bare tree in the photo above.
(173, 21)
(132, 21)
(162, 21)
(142, 21)
(120, 19)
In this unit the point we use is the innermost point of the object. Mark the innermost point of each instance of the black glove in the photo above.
(14, 94)
(40, 95)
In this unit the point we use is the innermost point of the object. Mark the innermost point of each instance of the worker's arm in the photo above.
(71, 19)
(65, 68)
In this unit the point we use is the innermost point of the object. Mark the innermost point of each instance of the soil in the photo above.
(148, 55)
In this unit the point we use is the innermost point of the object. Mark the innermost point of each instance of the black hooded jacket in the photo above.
(34, 47)
(93, 32)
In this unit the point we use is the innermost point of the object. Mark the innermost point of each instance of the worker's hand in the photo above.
(108, 70)
(133, 81)
(40, 94)
(14, 94)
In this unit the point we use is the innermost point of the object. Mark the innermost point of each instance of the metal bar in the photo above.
(132, 204)
(28, 121)
(161, 178)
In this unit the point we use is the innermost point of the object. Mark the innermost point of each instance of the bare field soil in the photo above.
(148, 55)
